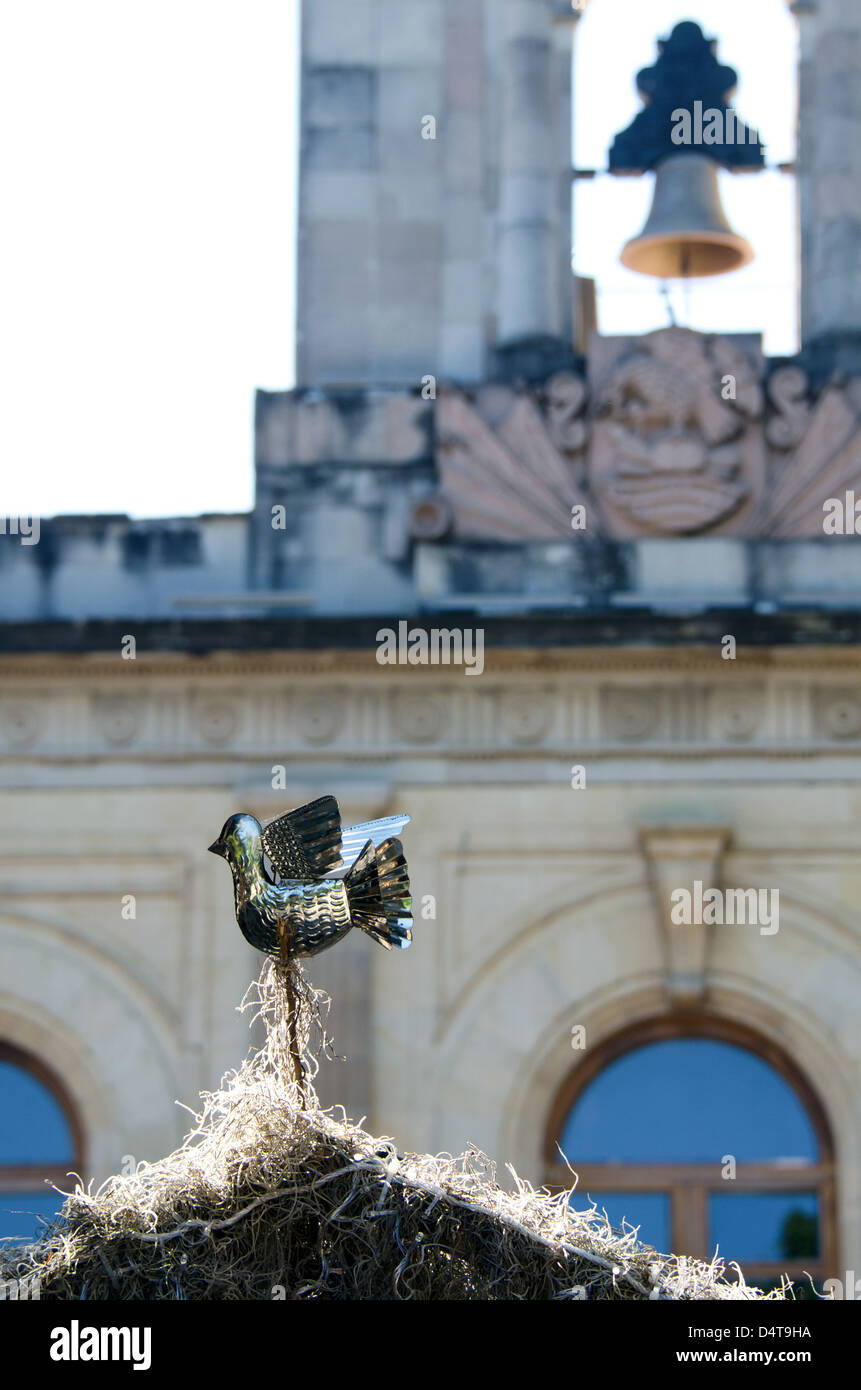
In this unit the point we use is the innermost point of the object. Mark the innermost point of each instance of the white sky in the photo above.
(148, 168)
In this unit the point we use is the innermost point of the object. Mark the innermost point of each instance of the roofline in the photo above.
(559, 629)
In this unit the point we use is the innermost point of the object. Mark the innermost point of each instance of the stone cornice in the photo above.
(361, 667)
(350, 642)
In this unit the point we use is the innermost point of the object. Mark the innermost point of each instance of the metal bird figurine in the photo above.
(305, 910)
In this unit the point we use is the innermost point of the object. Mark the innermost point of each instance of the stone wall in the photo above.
(544, 913)
(435, 201)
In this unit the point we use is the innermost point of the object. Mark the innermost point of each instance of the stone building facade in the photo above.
(457, 456)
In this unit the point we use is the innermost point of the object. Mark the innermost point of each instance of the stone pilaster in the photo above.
(829, 174)
(534, 286)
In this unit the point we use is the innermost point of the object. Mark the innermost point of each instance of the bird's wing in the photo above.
(355, 837)
(306, 843)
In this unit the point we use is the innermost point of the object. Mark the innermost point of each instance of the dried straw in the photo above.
(271, 1197)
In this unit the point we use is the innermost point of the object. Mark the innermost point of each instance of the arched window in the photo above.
(703, 1135)
(40, 1140)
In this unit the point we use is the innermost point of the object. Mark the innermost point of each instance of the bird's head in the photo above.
(240, 841)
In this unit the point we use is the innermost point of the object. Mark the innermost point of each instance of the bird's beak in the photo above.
(215, 848)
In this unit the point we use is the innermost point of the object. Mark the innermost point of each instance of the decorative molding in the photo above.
(671, 433)
(116, 719)
(417, 718)
(577, 710)
(677, 857)
(525, 716)
(668, 452)
(25, 676)
(318, 715)
(825, 463)
(736, 715)
(216, 720)
(838, 713)
(788, 390)
(19, 722)
(629, 714)
(503, 459)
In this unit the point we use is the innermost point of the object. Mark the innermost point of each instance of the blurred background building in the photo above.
(670, 692)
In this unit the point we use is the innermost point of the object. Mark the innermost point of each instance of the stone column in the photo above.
(371, 209)
(829, 174)
(434, 187)
(534, 280)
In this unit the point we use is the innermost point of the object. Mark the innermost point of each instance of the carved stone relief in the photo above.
(506, 459)
(673, 445)
(671, 433)
(20, 721)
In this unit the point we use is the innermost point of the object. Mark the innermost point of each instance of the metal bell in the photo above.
(687, 234)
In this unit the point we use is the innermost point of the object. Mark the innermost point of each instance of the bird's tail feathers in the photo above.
(378, 891)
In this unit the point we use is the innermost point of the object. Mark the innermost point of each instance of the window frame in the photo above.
(689, 1185)
(30, 1177)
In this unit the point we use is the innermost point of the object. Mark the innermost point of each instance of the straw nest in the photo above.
(271, 1197)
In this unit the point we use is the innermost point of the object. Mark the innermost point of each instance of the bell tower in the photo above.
(442, 407)
(435, 187)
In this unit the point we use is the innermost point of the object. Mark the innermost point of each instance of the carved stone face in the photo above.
(671, 450)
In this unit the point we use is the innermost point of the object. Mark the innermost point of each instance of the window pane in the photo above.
(20, 1213)
(688, 1100)
(33, 1127)
(751, 1226)
(648, 1210)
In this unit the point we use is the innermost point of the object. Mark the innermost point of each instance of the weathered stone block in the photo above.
(405, 343)
(339, 31)
(338, 96)
(463, 136)
(677, 566)
(462, 290)
(463, 350)
(407, 30)
(412, 194)
(465, 58)
(342, 195)
(346, 427)
(338, 267)
(406, 96)
(418, 241)
(464, 227)
(345, 149)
